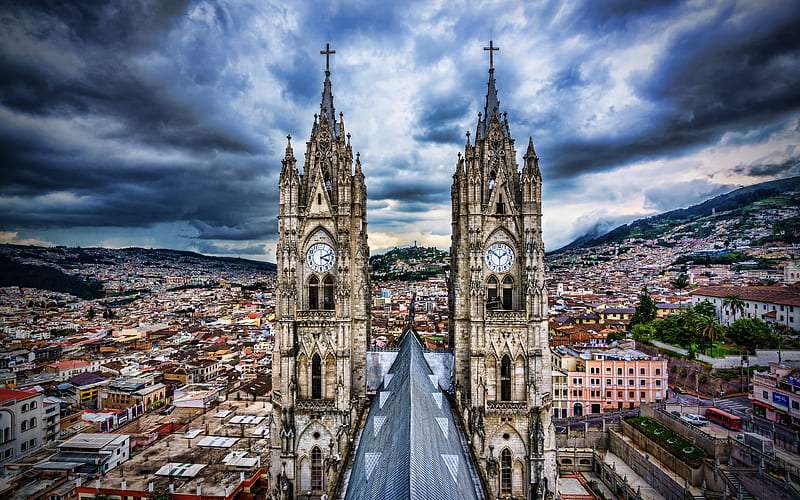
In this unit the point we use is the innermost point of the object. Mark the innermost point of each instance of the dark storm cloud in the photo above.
(788, 168)
(672, 195)
(724, 75)
(235, 233)
(212, 248)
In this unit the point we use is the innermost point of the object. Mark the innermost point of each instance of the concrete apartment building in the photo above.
(98, 453)
(21, 423)
(594, 380)
(776, 400)
(775, 304)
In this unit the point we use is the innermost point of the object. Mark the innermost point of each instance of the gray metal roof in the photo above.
(410, 447)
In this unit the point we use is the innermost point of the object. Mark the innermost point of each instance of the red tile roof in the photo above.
(9, 394)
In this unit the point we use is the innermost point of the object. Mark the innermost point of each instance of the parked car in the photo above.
(679, 390)
(676, 413)
(167, 410)
(695, 419)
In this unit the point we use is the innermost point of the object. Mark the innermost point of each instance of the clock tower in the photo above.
(322, 307)
(498, 308)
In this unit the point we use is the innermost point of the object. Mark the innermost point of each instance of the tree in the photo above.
(706, 308)
(752, 333)
(645, 309)
(642, 331)
(708, 327)
(681, 283)
(733, 304)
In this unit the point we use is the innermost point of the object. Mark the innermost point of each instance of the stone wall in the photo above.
(641, 464)
(712, 446)
(654, 449)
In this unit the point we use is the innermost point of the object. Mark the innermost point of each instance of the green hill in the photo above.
(736, 209)
(411, 263)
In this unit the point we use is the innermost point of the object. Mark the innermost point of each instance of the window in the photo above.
(595, 381)
(316, 377)
(630, 371)
(33, 422)
(313, 293)
(316, 468)
(643, 382)
(644, 395)
(33, 405)
(594, 369)
(642, 371)
(764, 394)
(631, 395)
(658, 371)
(501, 207)
(608, 394)
(505, 472)
(508, 288)
(631, 382)
(24, 408)
(658, 383)
(608, 381)
(619, 394)
(619, 381)
(619, 371)
(319, 198)
(608, 369)
(327, 301)
(577, 381)
(492, 298)
(505, 379)
(795, 405)
(24, 425)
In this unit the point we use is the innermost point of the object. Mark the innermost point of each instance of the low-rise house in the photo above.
(64, 370)
(98, 453)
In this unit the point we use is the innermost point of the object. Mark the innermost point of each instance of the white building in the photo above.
(21, 425)
(775, 304)
(99, 453)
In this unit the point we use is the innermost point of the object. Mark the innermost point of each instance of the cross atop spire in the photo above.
(328, 53)
(491, 48)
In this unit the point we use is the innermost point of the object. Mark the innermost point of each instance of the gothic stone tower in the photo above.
(322, 309)
(498, 309)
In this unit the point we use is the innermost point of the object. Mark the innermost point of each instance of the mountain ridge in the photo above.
(731, 201)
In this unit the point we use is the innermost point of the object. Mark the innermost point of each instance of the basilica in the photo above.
(474, 422)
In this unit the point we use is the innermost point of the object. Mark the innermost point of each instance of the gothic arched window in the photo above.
(316, 469)
(508, 293)
(313, 293)
(505, 379)
(316, 377)
(501, 207)
(327, 300)
(505, 471)
(492, 297)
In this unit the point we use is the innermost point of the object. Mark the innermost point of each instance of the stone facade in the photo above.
(322, 310)
(498, 310)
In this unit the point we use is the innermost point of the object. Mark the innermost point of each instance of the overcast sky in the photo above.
(162, 124)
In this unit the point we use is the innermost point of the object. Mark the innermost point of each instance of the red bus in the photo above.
(724, 418)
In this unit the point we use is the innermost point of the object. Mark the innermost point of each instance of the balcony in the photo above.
(507, 406)
(316, 314)
(314, 404)
(502, 315)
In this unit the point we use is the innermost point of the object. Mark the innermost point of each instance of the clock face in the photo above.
(320, 257)
(499, 257)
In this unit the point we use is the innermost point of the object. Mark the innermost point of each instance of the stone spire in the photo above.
(492, 106)
(326, 108)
